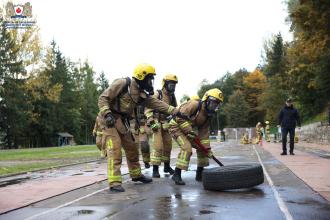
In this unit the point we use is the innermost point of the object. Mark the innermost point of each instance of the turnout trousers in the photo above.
(115, 141)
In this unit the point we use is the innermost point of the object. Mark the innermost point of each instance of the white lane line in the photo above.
(278, 197)
(68, 203)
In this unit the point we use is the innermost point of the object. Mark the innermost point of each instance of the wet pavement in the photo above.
(311, 167)
(164, 200)
(25, 189)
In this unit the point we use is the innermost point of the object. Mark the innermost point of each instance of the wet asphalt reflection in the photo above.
(164, 200)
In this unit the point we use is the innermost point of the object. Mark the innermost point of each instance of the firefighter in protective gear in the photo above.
(246, 138)
(144, 132)
(267, 128)
(116, 106)
(162, 140)
(97, 132)
(259, 132)
(196, 124)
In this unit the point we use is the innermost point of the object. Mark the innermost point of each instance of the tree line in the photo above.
(42, 92)
(299, 69)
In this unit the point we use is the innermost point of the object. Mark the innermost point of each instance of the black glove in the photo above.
(110, 120)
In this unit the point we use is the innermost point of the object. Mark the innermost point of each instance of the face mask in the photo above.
(170, 87)
(212, 105)
(148, 85)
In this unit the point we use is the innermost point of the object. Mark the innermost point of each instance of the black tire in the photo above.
(232, 177)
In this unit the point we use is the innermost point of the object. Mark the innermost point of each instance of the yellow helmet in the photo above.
(215, 93)
(142, 70)
(267, 122)
(169, 77)
(195, 97)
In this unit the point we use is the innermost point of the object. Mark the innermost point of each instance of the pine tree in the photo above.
(102, 82)
(89, 108)
(278, 79)
(275, 57)
(13, 116)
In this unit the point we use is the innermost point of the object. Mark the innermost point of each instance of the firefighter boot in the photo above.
(199, 174)
(177, 177)
(117, 188)
(142, 179)
(168, 168)
(155, 172)
(146, 165)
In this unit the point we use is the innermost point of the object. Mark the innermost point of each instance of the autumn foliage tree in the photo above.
(254, 85)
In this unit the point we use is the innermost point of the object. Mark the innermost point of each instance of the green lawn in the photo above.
(50, 153)
(25, 160)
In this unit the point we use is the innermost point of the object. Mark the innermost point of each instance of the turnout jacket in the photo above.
(165, 97)
(197, 120)
(121, 98)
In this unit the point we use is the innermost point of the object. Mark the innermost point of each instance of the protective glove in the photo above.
(192, 134)
(154, 125)
(142, 131)
(209, 153)
(109, 120)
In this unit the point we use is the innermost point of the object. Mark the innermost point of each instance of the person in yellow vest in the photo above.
(97, 132)
(259, 133)
(267, 131)
(162, 140)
